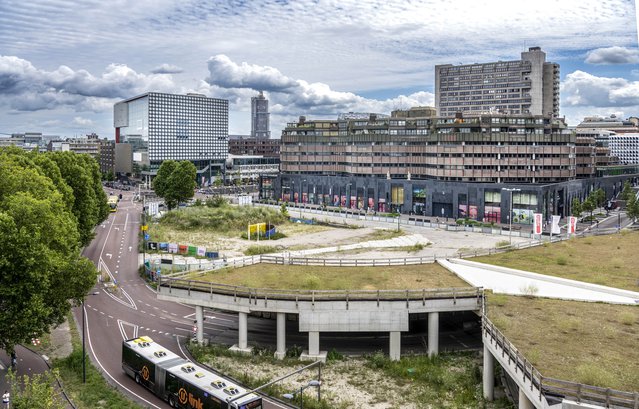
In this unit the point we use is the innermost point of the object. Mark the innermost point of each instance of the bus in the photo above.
(113, 203)
(180, 382)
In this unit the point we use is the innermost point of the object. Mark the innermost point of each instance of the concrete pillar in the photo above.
(394, 350)
(433, 333)
(280, 353)
(524, 402)
(313, 343)
(199, 319)
(489, 374)
(242, 331)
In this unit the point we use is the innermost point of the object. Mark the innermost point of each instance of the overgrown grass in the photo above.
(96, 392)
(576, 341)
(607, 260)
(336, 278)
(259, 249)
(446, 381)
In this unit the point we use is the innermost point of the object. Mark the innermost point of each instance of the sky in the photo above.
(64, 63)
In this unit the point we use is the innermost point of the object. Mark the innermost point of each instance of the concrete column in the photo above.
(280, 353)
(313, 343)
(524, 402)
(394, 350)
(489, 374)
(242, 331)
(199, 318)
(433, 333)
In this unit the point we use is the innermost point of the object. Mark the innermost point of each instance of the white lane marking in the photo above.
(107, 372)
(153, 315)
(125, 222)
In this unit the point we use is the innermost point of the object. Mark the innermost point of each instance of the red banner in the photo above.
(537, 225)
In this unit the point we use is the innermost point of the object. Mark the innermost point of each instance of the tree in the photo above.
(34, 392)
(589, 205)
(632, 207)
(575, 207)
(627, 191)
(40, 264)
(175, 182)
(218, 180)
(599, 197)
(161, 180)
(89, 201)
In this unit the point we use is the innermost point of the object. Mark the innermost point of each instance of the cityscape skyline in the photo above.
(316, 59)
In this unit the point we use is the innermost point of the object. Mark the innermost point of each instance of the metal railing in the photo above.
(254, 294)
(579, 392)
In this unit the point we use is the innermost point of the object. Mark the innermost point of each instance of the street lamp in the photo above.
(313, 383)
(510, 214)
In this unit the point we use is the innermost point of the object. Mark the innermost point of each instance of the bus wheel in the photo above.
(137, 378)
(172, 402)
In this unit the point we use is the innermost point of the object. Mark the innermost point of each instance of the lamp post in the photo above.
(84, 330)
(314, 383)
(510, 214)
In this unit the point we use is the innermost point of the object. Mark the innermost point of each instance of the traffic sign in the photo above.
(146, 237)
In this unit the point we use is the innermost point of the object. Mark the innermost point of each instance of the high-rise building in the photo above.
(180, 127)
(260, 117)
(528, 86)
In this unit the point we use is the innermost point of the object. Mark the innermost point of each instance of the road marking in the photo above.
(110, 316)
(101, 312)
(153, 315)
(143, 312)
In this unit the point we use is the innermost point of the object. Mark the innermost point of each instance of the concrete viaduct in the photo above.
(324, 310)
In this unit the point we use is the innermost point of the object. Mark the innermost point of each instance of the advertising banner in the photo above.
(572, 225)
(173, 248)
(537, 224)
(555, 229)
(201, 251)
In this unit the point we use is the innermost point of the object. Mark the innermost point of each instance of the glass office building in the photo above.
(180, 127)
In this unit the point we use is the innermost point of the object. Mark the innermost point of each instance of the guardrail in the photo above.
(579, 392)
(303, 261)
(254, 294)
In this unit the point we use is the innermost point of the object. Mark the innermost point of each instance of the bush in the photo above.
(294, 352)
(334, 355)
(562, 261)
(258, 249)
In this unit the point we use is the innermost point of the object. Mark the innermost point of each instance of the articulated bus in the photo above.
(113, 203)
(180, 382)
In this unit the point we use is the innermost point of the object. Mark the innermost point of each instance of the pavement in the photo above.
(517, 282)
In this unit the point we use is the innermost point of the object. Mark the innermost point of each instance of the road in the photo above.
(134, 310)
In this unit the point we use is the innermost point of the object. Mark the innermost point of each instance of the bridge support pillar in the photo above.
(199, 321)
(280, 353)
(313, 353)
(524, 402)
(489, 374)
(394, 350)
(433, 333)
(242, 329)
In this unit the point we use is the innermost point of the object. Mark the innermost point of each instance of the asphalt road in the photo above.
(29, 363)
(133, 310)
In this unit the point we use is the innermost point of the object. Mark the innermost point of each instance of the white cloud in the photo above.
(82, 122)
(613, 55)
(583, 89)
(27, 88)
(167, 69)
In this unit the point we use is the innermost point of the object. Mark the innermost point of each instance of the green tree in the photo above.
(575, 207)
(589, 205)
(88, 204)
(34, 392)
(218, 180)
(632, 207)
(161, 180)
(175, 182)
(627, 190)
(284, 210)
(599, 197)
(40, 264)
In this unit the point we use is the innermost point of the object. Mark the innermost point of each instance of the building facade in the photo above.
(179, 127)
(625, 146)
(610, 123)
(413, 144)
(526, 86)
(260, 121)
(247, 145)
(449, 167)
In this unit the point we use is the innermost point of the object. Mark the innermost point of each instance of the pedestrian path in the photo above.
(518, 282)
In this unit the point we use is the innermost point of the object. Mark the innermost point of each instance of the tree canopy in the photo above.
(43, 229)
(175, 182)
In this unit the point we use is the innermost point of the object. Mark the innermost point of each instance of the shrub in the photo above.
(529, 290)
(562, 261)
(259, 249)
(311, 282)
(627, 318)
(294, 352)
(594, 374)
(334, 355)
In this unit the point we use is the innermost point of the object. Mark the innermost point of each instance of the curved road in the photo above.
(133, 310)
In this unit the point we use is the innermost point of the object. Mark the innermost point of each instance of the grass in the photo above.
(337, 278)
(96, 392)
(592, 343)
(607, 260)
(446, 381)
(256, 249)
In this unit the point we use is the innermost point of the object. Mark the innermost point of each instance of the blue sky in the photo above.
(63, 63)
